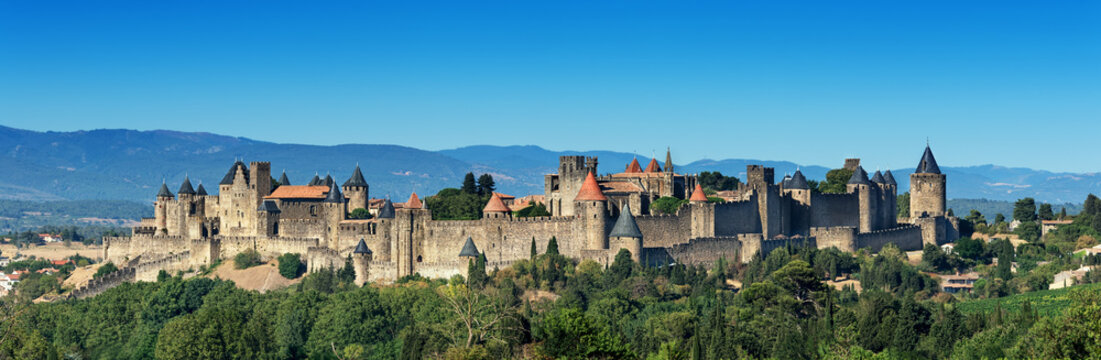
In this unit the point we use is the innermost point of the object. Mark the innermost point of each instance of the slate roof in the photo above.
(316, 181)
(798, 181)
(185, 188)
(164, 191)
(928, 164)
(387, 210)
(334, 195)
(356, 179)
(361, 248)
(878, 178)
(283, 179)
(328, 180)
(590, 190)
(201, 191)
(888, 178)
(859, 177)
(269, 206)
(698, 195)
(228, 179)
(625, 226)
(469, 249)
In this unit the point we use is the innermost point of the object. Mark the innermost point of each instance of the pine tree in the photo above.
(486, 185)
(468, 184)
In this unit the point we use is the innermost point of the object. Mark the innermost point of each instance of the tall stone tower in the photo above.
(626, 234)
(334, 212)
(160, 209)
(927, 188)
(667, 188)
(889, 204)
(591, 205)
(702, 214)
(868, 196)
(361, 260)
(356, 190)
(571, 174)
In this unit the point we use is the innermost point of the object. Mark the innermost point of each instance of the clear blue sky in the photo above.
(1003, 82)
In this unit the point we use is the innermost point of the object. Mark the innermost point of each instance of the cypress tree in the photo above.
(468, 184)
(552, 246)
(533, 251)
(486, 186)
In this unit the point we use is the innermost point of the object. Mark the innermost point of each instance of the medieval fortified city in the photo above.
(594, 216)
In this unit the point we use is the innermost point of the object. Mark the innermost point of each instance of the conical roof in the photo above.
(283, 179)
(590, 190)
(201, 191)
(633, 167)
(798, 181)
(356, 179)
(625, 226)
(387, 210)
(668, 161)
(334, 195)
(698, 195)
(185, 188)
(653, 166)
(859, 177)
(878, 177)
(928, 164)
(785, 182)
(495, 204)
(328, 180)
(316, 181)
(469, 249)
(361, 248)
(414, 202)
(888, 178)
(164, 191)
(228, 179)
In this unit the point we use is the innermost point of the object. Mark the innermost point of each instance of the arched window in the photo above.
(420, 259)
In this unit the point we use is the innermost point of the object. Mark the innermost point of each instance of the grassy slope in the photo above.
(1047, 302)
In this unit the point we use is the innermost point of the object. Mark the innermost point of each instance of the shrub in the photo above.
(105, 269)
(290, 265)
(246, 259)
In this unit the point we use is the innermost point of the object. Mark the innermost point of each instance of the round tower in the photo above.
(866, 196)
(160, 209)
(591, 205)
(495, 208)
(927, 188)
(334, 211)
(356, 190)
(361, 260)
(626, 234)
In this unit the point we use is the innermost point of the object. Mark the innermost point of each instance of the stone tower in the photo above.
(356, 190)
(626, 234)
(334, 212)
(702, 214)
(591, 206)
(889, 207)
(160, 209)
(571, 174)
(667, 188)
(868, 199)
(496, 209)
(361, 260)
(267, 219)
(927, 188)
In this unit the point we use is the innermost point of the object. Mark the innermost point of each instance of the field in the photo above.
(54, 251)
(1046, 302)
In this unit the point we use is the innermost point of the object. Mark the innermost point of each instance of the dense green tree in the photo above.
(1024, 210)
(290, 265)
(667, 205)
(836, 182)
(246, 259)
(715, 181)
(455, 204)
(539, 209)
(359, 213)
(1045, 212)
(903, 205)
(486, 186)
(469, 185)
(105, 269)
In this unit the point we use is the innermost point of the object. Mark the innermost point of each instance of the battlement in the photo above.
(96, 286)
(891, 230)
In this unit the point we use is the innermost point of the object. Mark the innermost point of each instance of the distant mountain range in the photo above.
(129, 165)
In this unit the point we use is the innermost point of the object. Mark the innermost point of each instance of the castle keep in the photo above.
(593, 217)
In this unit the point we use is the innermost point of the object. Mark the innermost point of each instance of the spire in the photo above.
(387, 210)
(928, 164)
(798, 181)
(653, 166)
(495, 204)
(590, 190)
(668, 161)
(415, 202)
(201, 191)
(185, 188)
(698, 195)
(888, 178)
(283, 179)
(860, 177)
(878, 178)
(329, 180)
(164, 191)
(469, 249)
(633, 167)
(356, 179)
(334, 195)
(361, 248)
(316, 181)
(625, 226)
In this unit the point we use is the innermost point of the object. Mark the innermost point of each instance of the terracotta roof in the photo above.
(299, 192)
(1056, 222)
(638, 175)
(504, 196)
(653, 167)
(633, 167)
(619, 186)
(590, 190)
(496, 205)
(414, 202)
(698, 195)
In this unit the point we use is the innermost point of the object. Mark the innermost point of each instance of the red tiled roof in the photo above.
(496, 205)
(619, 186)
(504, 196)
(299, 192)
(414, 202)
(633, 167)
(60, 262)
(697, 194)
(653, 167)
(590, 190)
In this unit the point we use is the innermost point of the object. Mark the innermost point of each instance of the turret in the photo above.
(626, 234)
(591, 204)
(283, 179)
(386, 211)
(361, 260)
(890, 194)
(495, 208)
(469, 250)
(316, 181)
(927, 188)
(356, 189)
(798, 188)
(868, 199)
(335, 211)
(267, 223)
(698, 196)
(160, 209)
(414, 202)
